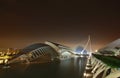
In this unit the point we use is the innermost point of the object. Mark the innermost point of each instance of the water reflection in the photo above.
(72, 68)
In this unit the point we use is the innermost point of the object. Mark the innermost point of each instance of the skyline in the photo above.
(68, 23)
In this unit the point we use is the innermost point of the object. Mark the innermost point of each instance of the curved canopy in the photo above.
(33, 47)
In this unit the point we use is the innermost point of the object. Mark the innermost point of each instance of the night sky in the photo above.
(69, 22)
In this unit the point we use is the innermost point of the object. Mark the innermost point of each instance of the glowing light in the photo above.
(5, 57)
(80, 50)
(96, 50)
(6, 60)
(87, 74)
(87, 68)
(81, 56)
(1, 61)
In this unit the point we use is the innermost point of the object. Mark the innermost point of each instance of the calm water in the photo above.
(72, 68)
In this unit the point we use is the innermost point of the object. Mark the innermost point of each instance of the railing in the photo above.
(105, 66)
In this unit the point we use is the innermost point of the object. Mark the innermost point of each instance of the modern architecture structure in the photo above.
(38, 51)
(47, 51)
(112, 47)
(63, 51)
